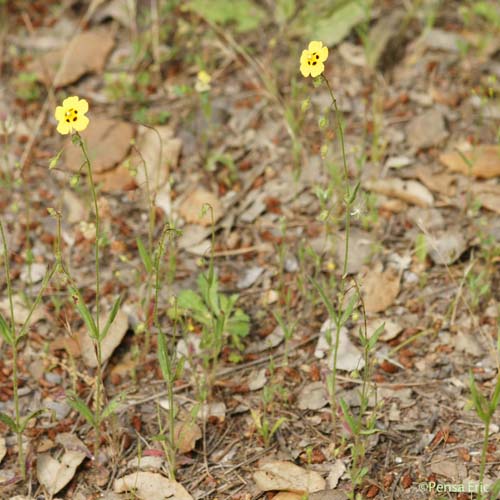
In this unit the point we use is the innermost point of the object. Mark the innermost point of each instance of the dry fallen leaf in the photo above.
(185, 435)
(484, 161)
(279, 476)
(159, 153)
(379, 289)
(407, 190)
(86, 53)
(286, 495)
(313, 396)
(446, 247)
(21, 311)
(56, 474)
(111, 341)
(336, 472)
(108, 142)
(191, 207)
(426, 130)
(3, 449)
(488, 195)
(348, 357)
(150, 485)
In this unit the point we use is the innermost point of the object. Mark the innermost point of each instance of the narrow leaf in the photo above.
(112, 316)
(85, 313)
(6, 331)
(81, 407)
(8, 421)
(112, 405)
(144, 254)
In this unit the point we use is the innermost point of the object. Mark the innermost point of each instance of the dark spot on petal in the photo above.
(317, 57)
(76, 111)
(314, 63)
(74, 119)
(67, 119)
(309, 63)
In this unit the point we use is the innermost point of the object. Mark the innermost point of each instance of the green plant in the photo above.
(215, 311)
(170, 364)
(97, 332)
(26, 86)
(263, 419)
(342, 311)
(479, 287)
(264, 426)
(485, 409)
(13, 337)
(217, 315)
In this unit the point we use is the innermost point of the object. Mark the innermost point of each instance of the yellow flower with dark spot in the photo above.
(312, 59)
(71, 115)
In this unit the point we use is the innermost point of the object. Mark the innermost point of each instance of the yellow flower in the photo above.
(203, 82)
(312, 59)
(71, 115)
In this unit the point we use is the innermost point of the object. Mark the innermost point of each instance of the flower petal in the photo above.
(59, 113)
(323, 54)
(304, 56)
(70, 102)
(317, 70)
(315, 46)
(305, 69)
(82, 106)
(63, 128)
(81, 123)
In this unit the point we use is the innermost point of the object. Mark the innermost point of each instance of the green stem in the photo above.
(483, 453)
(15, 377)
(342, 292)
(99, 392)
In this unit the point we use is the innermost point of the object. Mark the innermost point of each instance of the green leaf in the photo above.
(112, 316)
(326, 300)
(191, 301)
(478, 399)
(334, 28)
(8, 421)
(352, 197)
(421, 247)
(347, 312)
(246, 15)
(277, 425)
(81, 407)
(54, 161)
(374, 338)
(112, 405)
(163, 358)
(348, 416)
(84, 313)
(494, 490)
(6, 331)
(29, 417)
(284, 10)
(209, 291)
(144, 254)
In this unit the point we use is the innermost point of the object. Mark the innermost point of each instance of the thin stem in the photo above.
(341, 296)
(483, 452)
(15, 382)
(99, 394)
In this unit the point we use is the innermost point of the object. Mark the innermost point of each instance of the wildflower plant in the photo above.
(12, 335)
(216, 313)
(312, 64)
(72, 120)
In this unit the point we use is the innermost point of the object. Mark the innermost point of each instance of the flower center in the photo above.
(313, 59)
(71, 115)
